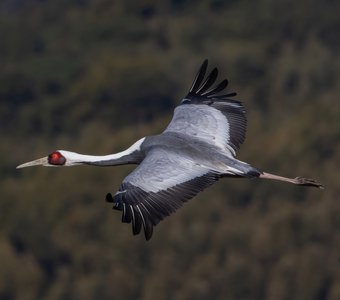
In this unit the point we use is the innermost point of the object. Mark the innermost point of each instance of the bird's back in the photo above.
(197, 150)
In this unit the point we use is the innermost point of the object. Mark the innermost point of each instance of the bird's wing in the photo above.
(158, 187)
(208, 115)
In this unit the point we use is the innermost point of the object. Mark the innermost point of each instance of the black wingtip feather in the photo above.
(233, 94)
(127, 214)
(137, 221)
(202, 88)
(148, 229)
(146, 209)
(109, 198)
(210, 80)
(220, 87)
(148, 233)
(199, 77)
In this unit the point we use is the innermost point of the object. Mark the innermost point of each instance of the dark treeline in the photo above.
(93, 76)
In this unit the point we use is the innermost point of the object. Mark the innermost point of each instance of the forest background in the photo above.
(93, 76)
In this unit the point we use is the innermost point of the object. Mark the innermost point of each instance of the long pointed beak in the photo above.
(41, 161)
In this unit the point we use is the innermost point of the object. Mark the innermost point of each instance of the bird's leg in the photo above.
(296, 180)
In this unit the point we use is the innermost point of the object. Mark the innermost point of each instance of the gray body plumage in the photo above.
(193, 150)
(196, 149)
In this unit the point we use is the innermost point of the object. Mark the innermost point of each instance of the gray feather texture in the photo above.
(196, 149)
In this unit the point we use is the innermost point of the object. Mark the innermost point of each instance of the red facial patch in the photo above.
(55, 158)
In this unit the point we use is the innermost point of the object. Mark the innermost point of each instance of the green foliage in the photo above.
(93, 76)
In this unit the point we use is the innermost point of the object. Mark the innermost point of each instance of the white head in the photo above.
(61, 158)
(58, 158)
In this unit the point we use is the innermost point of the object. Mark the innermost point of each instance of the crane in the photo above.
(196, 149)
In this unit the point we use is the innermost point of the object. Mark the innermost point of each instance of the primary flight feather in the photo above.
(196, 149)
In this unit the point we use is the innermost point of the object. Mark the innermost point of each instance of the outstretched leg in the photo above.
(296, 180)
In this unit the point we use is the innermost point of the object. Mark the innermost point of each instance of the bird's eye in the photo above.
(56, 158)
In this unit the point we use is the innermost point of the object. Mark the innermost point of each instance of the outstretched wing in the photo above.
(158, 187)
(208, 115)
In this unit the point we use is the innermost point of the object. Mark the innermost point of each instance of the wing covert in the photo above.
(158, 187)
(208, 115)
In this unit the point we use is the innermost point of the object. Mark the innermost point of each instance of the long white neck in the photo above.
(131, 155)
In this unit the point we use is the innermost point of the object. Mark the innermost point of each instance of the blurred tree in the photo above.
(95, 75)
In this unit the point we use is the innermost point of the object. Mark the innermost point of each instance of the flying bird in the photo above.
(196, 149)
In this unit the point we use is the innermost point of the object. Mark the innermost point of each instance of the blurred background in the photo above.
(93, 76)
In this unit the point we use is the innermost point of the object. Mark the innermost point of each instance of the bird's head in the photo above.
(55, 159)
